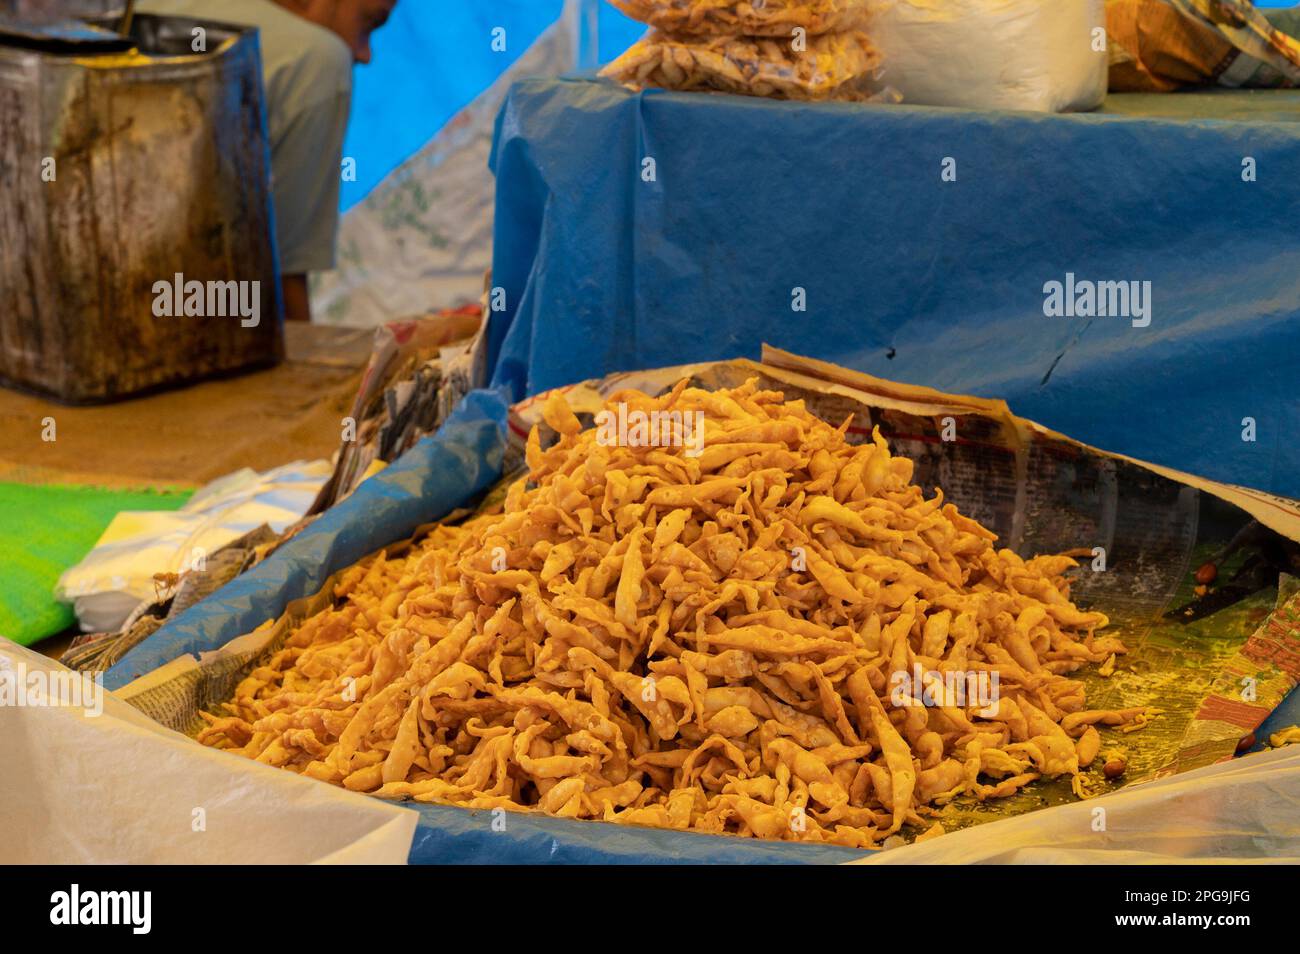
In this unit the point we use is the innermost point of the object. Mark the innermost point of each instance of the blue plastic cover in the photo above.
(908, 276)
(432, 59)
(450, 835)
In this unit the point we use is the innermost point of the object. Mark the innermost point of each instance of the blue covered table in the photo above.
(915, 276)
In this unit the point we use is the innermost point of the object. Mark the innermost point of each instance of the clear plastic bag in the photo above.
(840, 66)
(748, 17)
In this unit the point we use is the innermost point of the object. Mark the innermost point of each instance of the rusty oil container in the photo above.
(127, 176)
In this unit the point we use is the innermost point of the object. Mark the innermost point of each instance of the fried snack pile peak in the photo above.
(725, 637)
(777, 18)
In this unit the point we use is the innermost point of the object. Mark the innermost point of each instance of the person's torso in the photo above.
(302, 62)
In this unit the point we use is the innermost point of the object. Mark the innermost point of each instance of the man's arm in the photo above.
(297, 303)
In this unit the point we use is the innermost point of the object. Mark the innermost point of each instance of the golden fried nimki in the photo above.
(724, 643)
(837, 66)
(770, 18)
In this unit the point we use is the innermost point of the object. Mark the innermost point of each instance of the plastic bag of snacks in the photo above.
(747, 17)
(832, 66)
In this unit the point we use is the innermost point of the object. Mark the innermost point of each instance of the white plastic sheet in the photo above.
(112, 580)
(401, 254)
(1039, 55)
(1243, 811)
(118, 788)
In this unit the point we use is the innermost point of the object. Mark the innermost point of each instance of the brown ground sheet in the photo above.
(189, 436)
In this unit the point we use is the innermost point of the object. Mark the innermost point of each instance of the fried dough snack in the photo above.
(747, 17)
(704, 641)
(834, 66)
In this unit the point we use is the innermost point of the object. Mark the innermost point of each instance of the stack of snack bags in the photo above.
(784, 49)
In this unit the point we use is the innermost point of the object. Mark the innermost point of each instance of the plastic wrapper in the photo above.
(108, 585)
(755, 18)
(89, 780)
(838, 66)
(1163, 45)
(1235, 812)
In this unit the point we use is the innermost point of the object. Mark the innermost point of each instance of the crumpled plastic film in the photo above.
(1244, 810)
(118, 574)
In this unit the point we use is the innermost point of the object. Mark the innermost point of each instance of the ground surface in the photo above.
(189, 436)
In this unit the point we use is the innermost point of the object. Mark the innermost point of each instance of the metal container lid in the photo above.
(71, 37)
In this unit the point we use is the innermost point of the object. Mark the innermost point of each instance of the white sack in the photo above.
(117, 788)
(994, 54)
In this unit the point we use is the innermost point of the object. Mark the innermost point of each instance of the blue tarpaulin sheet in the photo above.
(433, 59)
(450, 835)
(607, 267)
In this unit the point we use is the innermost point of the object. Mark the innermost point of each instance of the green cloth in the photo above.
(43, 531)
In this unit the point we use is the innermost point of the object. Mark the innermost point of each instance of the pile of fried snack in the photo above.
(708, 639)
(786, 49)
